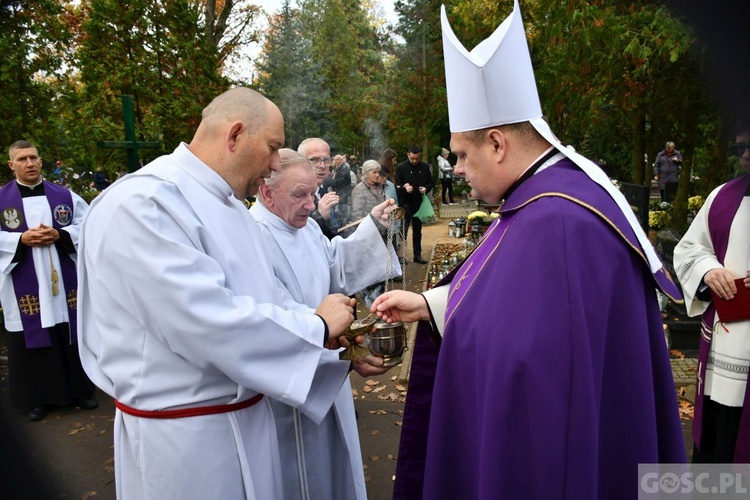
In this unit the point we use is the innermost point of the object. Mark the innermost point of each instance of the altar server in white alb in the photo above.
(320, 453)
(183, 322)
(38, 240)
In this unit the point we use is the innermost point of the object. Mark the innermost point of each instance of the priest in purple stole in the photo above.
(540, 368)
(713, 253)
(39, 231)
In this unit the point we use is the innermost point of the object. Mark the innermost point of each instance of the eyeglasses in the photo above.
(739, 149)
(328, 161)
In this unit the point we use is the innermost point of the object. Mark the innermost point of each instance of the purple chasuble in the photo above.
(25, 282)
(553, 378)
(720, 217)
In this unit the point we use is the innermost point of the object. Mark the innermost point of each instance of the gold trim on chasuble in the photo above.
(465, 274)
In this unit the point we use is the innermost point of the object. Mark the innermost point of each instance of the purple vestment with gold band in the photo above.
(25, 281)
(553, 378)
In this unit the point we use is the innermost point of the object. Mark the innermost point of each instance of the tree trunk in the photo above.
(640, 176)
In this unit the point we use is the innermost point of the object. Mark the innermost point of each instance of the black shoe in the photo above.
(37, 413)
(86, 403)
(398, 279)
(419, 260)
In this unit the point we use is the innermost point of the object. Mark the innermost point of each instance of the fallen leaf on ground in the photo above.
(686, 410)
(392, 396)
(374, 433)
(399, 423)
(400, 387)
(676, 354)
(367, 388)
(372, 382)
(394, 377)
(76, 431)
(378, 389)
(355, 393)
(378, 412)
(368, 478)
(374, 458)
(391, 457)
(88, 495)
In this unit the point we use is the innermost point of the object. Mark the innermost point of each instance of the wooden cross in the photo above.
(131, 144)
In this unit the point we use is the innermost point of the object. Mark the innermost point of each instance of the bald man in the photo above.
(182, 322)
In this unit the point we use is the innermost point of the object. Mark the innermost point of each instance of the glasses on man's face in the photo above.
(739, 149)
(317, 161)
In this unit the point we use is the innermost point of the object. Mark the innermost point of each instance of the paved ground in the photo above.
(69, 454)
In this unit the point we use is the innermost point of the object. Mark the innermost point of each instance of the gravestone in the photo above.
(637, 196)
(130, 144)
(670, 191)
(684, 330)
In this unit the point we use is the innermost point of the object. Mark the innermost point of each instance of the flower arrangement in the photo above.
(656, 206)
(478, 217)
(659, 219)
(695, 203)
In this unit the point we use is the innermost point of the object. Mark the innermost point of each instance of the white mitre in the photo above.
(494, 85)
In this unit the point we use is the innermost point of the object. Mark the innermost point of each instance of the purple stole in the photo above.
(25, 282)
(720, 217)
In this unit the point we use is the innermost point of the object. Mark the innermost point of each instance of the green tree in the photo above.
(418, 111)
(155, 51)
(33, 41)
(289, 76)
(345, 46)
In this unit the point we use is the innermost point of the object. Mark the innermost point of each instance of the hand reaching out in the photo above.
(400, 305)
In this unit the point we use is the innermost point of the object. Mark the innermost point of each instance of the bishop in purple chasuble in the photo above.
(553, 378)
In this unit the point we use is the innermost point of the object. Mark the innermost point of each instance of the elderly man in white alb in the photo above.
(321, 458)
(183, 322)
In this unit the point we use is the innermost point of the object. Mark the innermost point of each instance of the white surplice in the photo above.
(322, 459)
(178, 307)
(694, 256)
(53, 309)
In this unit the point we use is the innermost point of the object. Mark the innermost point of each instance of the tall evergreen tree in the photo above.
(344, 43)
(419, 113)
(291, 78)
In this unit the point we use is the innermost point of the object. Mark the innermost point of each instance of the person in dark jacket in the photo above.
(413, 179)
(667, 166)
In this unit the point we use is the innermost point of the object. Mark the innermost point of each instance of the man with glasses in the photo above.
(318, 152)
(712, 262)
